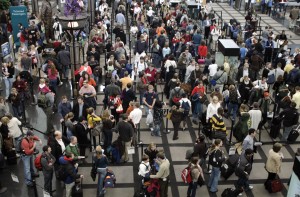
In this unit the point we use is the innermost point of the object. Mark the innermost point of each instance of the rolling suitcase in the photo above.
(230, 192)
(274, 186)
(275, 127)
(294, 134)
(11, 157)
(77, 189)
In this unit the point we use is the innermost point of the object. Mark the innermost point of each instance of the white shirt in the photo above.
(141, 66)
(62, 145)
(212, 109)
(261, 85)
(136, 115)
(150, 13)
(13, 127)
(137, 10)
(185, 100)
(213, 68)
(278, 71)
(170, 63)
(188, 72)
(144, 168)
(255, 116)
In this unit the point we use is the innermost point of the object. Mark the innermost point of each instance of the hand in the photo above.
(81, 176)
(76, 166)
(34, 145)
(61, 120)
(150, 107)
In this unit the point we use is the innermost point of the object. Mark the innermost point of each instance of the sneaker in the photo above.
(240, 194)
(93, 149)
(183, 128)
(142, 106)
(250, 187)
(151, 129)
(61, 83)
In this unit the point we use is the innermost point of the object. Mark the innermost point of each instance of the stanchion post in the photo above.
(142, 148)
(162, 96)
(231, 131)
(167, 121)
(139, 133)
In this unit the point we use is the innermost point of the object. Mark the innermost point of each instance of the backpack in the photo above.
(61, 174)
(176, 98)
(20, 149)
(212, 159)
(42, 101)
(110, 179)
(153, 188)
(233, 97)
(186, 175)
(37, 162)
(186, 106)
(282, 91)
(293, 76)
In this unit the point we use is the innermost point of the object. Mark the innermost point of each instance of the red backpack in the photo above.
(37, 162)
(186, 175)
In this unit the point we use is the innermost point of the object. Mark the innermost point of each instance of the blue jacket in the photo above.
(197, 38)
(70, 169)
(64, 109)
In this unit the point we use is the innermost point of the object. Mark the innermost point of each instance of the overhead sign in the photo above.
(5, 49)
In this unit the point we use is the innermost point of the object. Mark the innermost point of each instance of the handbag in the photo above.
(213, 82)
(203, 98)
(219, 135)
(149, 119)
(271, 79)
(169, 115)
(96, 130)
(119, 109)
(200, 181)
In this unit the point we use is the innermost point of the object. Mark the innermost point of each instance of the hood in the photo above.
(245, 116)
(64, 160)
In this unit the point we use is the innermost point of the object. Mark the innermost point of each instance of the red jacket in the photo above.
(152, 73)
(202, 51)
(28, 144)
(200, 90)
(81, 69)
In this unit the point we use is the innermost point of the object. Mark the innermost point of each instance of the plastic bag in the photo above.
(149, 119)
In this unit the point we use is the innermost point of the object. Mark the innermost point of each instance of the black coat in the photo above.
(56, 148)
(81, 133)
(76, 111)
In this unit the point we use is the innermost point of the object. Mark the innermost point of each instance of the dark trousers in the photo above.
(176, 128)
(163, 187)
(192, 189)
(107, 138)
(271, 176)
(263, 121)
(48, 176)
(82, 149)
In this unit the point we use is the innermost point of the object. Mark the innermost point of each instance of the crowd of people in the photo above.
(173, 46)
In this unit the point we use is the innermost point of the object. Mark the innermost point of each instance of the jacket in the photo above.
(76, 111)
(221, 77)
(216, 158)
(290, 117)
(125, 131)
(244, 167)
(274, 161)
(63, 57)
(81, 132)
(73, 149)
(56, 148)
(47, 161)
(64, 109)
(177, 115)
(70, 169)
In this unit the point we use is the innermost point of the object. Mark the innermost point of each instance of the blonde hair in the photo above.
(151, 145)
(99, 151)
(105, 114)
(42, 80)
(5, 120)
(69, 115)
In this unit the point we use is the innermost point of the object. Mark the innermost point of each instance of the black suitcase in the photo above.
(11, 157)
(77, 189)
(275, 127)
(226, 171)
(229, 192)
(294, 134)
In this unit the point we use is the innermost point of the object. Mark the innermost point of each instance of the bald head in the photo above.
(58, 135)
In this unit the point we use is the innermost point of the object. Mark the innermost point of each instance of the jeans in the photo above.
(214, 179)
(242, 183)
(65, 71)
(156, 129)
(48, 176)
(17, 110)
(69, 189)
(286, 132)
(232, 107)
(197, 113)
(53, 84)
(17, 142)
(192, 189)
(28, 168)
(101, 177)
(8, 85)
(147, 112)
(142, 92)
(69, 134)
(196, 49)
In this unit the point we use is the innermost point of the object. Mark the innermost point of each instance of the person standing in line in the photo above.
(243, 171)
(71, 170)
(196, 171)
(149, 100)
(248, 142)
(58, 145)
(81, 131)
(163, 174)
(79, 109)
(176, 118)
(135, 116)
(185, 105)
(101, 162)
(218, 127)
(92, 118)
(157, 118)
(200, 149)
(290, 118)
(47, 162)
(216, 158)
(14, 129)
(255, 116)
(28, 145)
(125, 131)
(274, 161)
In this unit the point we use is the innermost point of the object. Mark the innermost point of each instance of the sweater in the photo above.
(125, 131)
(274, 161)
(73, 149)
(164, 170)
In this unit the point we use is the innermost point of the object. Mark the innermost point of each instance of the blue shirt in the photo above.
(197, 38)
(150, 97)
(243, 52)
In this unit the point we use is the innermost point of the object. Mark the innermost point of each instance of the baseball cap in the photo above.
(29, 133)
